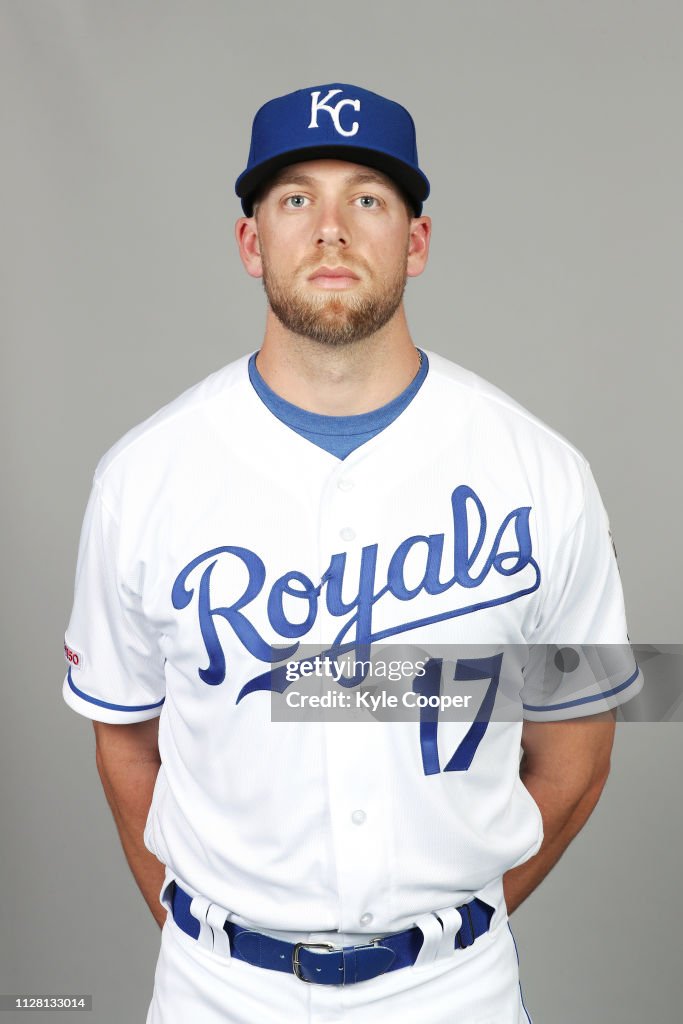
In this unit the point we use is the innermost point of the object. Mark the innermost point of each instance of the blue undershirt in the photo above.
(338, 435)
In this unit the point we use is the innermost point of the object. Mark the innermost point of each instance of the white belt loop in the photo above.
(199, 908)
(165, 895)
(430, 926)
(452, 923)
(216, 917)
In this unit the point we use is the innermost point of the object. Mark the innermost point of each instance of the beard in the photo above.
(330, 317)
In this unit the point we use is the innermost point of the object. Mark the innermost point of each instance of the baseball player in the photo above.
(341, 489)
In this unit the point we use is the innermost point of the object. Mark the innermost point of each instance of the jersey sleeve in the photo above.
(115, 669)
(580, 661)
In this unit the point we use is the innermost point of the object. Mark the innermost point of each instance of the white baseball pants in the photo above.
(477, 985)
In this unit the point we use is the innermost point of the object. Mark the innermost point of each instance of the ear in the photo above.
(246, 234)
(418, 250)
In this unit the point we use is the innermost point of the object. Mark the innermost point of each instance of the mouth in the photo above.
(335, 278)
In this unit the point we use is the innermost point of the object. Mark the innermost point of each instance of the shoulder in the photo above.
(487, 407)
(505, 441)
(150, 447)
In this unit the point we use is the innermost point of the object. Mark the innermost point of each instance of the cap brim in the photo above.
(412, 181)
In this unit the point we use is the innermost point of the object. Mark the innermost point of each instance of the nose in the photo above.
(331, 226)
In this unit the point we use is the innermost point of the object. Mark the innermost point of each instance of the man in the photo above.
(335, 490)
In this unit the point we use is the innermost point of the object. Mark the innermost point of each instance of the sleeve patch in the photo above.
(74, 658)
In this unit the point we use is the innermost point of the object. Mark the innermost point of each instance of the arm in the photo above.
(128, 763)
(564, 766)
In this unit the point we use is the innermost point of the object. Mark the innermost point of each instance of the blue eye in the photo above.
(368, 202)
(297, 202)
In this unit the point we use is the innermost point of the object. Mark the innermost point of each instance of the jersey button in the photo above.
(366, 919)
(358, 817)
(345, 484)
(347, 533)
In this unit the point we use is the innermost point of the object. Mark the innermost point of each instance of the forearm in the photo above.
(564, 814)
(128, 787)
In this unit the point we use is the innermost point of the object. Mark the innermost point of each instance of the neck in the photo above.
(344, 381)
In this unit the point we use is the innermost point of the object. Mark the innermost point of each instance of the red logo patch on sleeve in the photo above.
(73, 657)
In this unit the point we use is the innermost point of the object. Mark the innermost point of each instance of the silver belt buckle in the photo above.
(307, 945)
(323, 945)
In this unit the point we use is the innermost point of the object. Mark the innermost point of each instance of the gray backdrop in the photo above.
(551, 133)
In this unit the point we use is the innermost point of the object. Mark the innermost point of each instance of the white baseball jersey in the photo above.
(215, 532)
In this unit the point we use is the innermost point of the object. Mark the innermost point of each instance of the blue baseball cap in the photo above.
(339, 121)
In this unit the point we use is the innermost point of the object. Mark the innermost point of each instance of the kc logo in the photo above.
(317, 105)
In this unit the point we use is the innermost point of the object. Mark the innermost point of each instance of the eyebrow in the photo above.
(357, 178)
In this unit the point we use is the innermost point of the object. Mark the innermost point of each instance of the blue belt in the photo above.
(322, 963)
